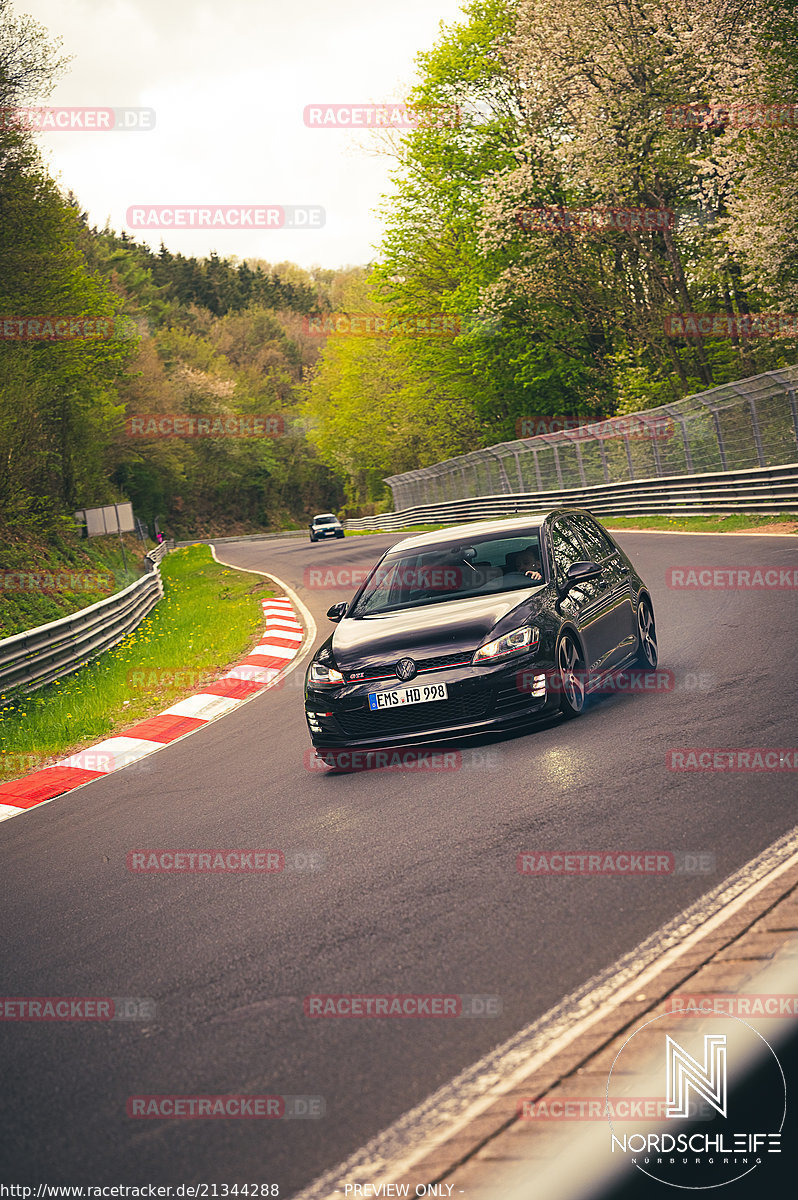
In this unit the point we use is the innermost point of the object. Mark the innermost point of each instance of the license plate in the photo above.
(408, 695)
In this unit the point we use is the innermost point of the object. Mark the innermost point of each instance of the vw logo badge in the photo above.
(405, 668)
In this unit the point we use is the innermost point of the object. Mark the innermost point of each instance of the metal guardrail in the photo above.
(763, 490)
(157, 554)
(38, 656)
(243, 537)
(749, 424)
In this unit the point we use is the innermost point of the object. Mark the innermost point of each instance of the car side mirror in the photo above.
(579, 572)
(336, 611)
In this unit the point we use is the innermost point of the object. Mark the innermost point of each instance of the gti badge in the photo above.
(405, 669)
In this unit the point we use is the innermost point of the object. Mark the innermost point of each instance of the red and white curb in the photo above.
(280, 644)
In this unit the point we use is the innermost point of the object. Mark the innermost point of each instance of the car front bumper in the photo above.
(480, 700)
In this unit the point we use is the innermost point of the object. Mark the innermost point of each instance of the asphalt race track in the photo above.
(418, 891)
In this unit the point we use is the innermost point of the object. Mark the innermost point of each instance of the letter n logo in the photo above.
(707, 1080)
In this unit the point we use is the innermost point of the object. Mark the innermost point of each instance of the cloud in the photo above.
(229, 81)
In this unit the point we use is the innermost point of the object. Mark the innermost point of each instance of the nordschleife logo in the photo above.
(723, 1094)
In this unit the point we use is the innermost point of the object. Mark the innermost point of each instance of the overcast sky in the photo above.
(229, 80)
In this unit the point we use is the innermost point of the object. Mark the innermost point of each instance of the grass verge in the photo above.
(209, 618)
(713, 523)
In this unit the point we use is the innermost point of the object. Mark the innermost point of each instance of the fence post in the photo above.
(793, 410)
(719, 436)
(760, 450)
(578, 449)
(603, 456)
(688, 454)
(519, 472)
(503, 480)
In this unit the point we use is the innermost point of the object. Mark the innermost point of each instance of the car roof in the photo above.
(506, 527)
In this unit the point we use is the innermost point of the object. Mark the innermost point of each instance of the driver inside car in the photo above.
(527, 562)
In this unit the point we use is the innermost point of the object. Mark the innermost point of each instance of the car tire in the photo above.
(647, 654)
(339, 535)
(572, 676)
(312, 538)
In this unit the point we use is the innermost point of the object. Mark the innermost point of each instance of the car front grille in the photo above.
(464, 707)
(388, 671)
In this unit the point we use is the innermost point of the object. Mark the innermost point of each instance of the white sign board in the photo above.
(113, 518)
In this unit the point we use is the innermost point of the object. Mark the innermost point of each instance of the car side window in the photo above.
(566, 548)
(595, 540)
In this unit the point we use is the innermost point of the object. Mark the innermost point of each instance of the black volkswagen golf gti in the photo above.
(476, 628)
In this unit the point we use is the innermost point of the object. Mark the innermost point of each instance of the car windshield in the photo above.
(325, 519)
(452, 571)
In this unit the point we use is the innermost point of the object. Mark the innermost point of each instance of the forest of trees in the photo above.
(569, 105)
(206, 337)
(559, 105)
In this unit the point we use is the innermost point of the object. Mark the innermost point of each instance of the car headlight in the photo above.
(323, 676)
(514, 642)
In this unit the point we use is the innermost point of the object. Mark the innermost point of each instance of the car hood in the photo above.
(424, 631)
